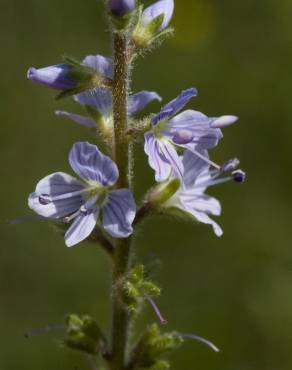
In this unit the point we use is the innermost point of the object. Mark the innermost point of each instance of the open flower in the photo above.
(197, 177)
(61, 196)
(190, 130)
(98, 101)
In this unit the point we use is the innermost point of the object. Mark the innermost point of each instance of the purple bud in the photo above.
(183, 137)
(55, 77)
(121, 7)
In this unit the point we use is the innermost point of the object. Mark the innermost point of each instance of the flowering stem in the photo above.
(121, 257)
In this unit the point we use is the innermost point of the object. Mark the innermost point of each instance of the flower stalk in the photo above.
(121, 260)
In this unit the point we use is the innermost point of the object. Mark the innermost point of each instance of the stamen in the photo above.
(45, 329)
(46, 198)
(183, 137)
(200, 339)
(213, 182)
(69, 218)
(239, 176)
(162, 320)
(207, 160)
(230, 165)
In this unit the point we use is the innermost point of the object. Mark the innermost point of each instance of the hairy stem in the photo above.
(121, 257)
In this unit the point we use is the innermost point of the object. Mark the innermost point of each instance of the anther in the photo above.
(45, 199)
(83, 210)
(239, 176)
(183, 137)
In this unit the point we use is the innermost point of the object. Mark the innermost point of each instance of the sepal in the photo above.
(137, 286)
(84, 334)
(151, 347)
(163, 192)
(144, 35)
(150, 28)
(85, 78)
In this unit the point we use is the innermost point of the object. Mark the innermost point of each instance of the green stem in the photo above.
(121, 257)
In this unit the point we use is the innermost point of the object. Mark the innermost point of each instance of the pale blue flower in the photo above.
(190, 130)
(87, 201)
(197, 177)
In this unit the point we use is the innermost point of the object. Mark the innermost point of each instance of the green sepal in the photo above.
(163, 192)
(179, 213)
(84, 334)
(152, 346)
(86, 78)
(144, 34)
(137, 286)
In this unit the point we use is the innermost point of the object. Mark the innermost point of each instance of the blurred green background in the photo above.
(237, 290)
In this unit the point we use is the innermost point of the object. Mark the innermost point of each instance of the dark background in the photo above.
(237, 290)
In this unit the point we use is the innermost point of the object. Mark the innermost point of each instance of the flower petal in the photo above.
(170, 109)
(198, 124)
(156, 159)
(194, 167)
(171, 156)
(81, 227)
(205, 219)
(138, 101)
(52, 185)
(164, 7)
(82, 120)
(101, 64)
(55, 77)
(91, 165)
(119, 213)
(200, 207)
(99, 99)
(202, 203)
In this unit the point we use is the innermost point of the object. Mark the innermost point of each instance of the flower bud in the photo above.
(162, 7)
(70, 77)
(153, 23)
(55, 77)
(120, 8)
(83, 334)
